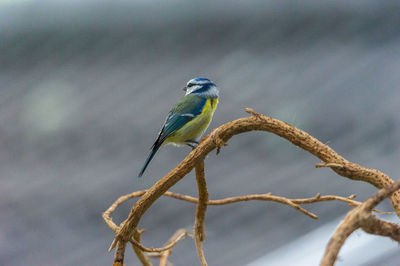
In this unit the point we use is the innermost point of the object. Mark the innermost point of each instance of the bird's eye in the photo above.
(190, 85)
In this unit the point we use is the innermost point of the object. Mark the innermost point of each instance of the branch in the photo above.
(179, 234)
(170, 244)
(376, 226)
(357, 172)
(361, 217)
(139, 252)
(218, 202)
(218, 138)
(262, 197)
(200, 211)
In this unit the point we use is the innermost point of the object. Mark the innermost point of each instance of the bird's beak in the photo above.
(184, 88)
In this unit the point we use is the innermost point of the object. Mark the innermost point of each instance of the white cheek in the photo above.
(192, 89)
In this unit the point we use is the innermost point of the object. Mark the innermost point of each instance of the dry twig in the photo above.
(139, 252)
(361, 217)
(179, 234)
(200, 211)
(219, 138)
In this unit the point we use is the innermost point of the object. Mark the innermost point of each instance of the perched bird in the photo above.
(189, 118)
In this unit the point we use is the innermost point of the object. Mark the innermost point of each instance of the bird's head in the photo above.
(201, 87)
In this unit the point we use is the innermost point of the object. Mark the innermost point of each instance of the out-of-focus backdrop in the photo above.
(86, 85)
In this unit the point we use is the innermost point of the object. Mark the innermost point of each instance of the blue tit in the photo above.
(189, 118)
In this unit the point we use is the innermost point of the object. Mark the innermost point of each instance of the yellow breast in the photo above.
(195, 128)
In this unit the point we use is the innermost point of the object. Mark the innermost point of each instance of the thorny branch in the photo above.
(217, 139)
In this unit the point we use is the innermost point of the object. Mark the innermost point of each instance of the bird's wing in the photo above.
(184, 111)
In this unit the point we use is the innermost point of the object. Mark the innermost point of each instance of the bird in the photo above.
(189, 118)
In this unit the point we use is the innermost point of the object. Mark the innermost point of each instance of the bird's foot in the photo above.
(192, 144)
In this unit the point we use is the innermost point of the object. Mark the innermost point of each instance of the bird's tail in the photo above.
(154, 149)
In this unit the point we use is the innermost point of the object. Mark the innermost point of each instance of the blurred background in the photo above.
(86, 85)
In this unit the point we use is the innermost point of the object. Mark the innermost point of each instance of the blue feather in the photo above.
(177, 120)
(181, 114)
(154, 149)
(204, 88)
(202, 79)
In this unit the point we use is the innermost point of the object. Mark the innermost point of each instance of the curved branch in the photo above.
(361, 217)
(139, 252)
(376, 226)
(262, 197)
(217, 138)
(174, 239)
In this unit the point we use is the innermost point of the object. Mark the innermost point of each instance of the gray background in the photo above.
(86, 85)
